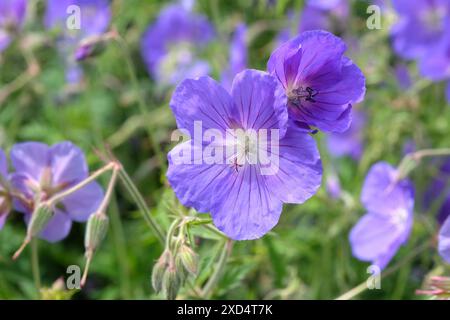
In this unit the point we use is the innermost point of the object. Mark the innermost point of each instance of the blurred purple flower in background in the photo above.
(333, 186)
(422, 33)
(94, 18)
(439, 191)
(320, 14)
(43, 170)
(351, 142)
(444, 241)
(420, 26)
(403, 77)
(169, 45)
(320, 82)
(238, 56)
(244, 203)
(5, 204)
(12, 18)
(387, 224)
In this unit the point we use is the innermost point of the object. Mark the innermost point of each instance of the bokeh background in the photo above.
(307, 255)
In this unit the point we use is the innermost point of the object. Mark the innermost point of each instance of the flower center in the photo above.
(434, 17)
(399, 217)
(296, 95)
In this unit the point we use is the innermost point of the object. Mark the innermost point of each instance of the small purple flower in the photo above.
(12, 18)
(238, 56)
(5, 204)
(46, 170)
(420, 26)
(444, 241)
(387, 224)
(435, 65)
(320, 82)
(88, 18)
(244, 202)
(168, 44)
(351, 142)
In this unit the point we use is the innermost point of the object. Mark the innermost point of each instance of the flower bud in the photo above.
(189, 259)
(96, 228)
(39, 219)
(171, 282)
(159, 269)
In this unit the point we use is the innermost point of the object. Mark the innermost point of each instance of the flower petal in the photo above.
(298, 175)
(377, 239)
(30, 158)
(202, 100)
(81, 204)
(68, 163)
(384, 195)
(260, 101)
(58, 228)
(193, 180)
(243, 207)
(444, 241)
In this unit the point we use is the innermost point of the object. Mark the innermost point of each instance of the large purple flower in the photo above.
(444, 241)
(387, 224)
(420, 26)
(238, 56)
(168, 45)
(5, 204)
(12, 17)
(351, 142)
(46, 170)
(320, 82)
(77, 20)
(244, 198)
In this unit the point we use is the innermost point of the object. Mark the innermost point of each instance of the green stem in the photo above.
(410, 161)
(140, 202)
(215, 277)
(141, 102)
(35, 267)
(59, 196)
(363, 286)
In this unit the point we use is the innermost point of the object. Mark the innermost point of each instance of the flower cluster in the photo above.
(309, 84)
(429, 42)
(41, 172)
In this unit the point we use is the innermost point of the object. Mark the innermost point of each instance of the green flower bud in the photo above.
(189, 259)
(96, 228)
(39, 219)
(159, 269)
(171, 282)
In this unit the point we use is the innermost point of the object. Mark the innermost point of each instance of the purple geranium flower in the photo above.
(244, 198)
(428, 20)
(351, 142)
(12, 17)
(238, 56)
(46, 170)
(5, 204)
(387, 224)
(444, 241)
(320, 82)
(168, 44)
(94, 17)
